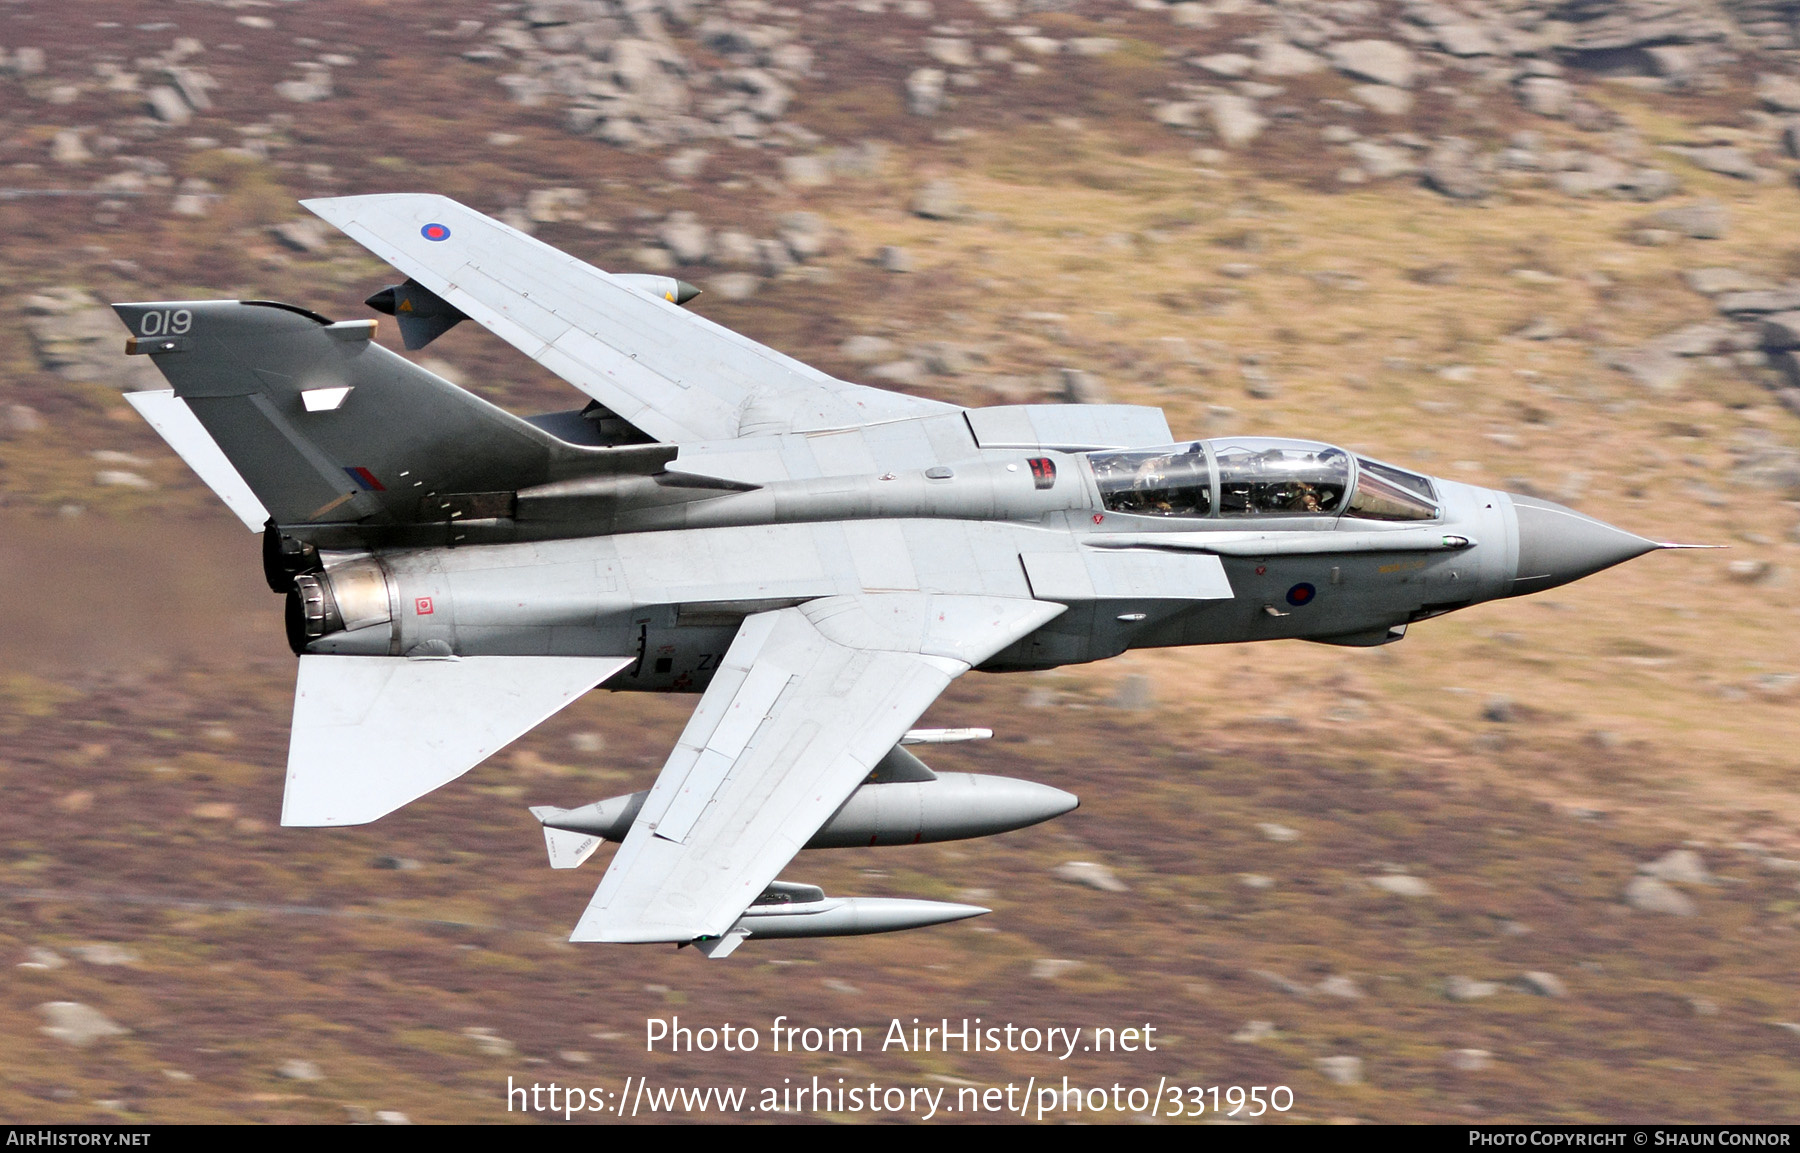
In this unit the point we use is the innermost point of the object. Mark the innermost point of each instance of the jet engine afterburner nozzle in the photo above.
(349, 596)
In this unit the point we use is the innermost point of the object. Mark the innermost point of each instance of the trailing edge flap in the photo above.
(374, 733)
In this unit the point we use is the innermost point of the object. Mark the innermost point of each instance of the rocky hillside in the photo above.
(1538, 861)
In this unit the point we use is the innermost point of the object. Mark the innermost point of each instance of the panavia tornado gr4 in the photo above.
(817, 559)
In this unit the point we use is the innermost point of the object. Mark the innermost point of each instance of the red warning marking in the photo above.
(1098, 518)
(422, 606)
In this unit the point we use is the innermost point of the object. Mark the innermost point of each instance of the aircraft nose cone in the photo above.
(1558, 545)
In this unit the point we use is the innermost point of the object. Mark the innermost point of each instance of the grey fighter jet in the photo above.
(817, 559)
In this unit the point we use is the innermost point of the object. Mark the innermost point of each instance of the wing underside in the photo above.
(807, 701)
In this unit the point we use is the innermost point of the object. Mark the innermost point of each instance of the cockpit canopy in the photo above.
(1259, 477)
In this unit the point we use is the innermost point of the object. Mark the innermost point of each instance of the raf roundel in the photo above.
(1301, 593)
(435, 232)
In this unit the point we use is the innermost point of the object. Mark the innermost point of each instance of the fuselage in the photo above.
(1203, 542)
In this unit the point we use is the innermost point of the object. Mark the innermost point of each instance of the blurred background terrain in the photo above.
(1541, 860)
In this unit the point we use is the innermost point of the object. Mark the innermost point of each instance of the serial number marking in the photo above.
(164, 321)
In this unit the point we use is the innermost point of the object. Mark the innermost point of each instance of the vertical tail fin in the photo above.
(321, 424)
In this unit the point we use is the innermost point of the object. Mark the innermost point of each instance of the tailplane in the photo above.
(374, 733)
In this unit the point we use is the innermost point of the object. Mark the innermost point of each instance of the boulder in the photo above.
(773, 257)
(1781, 93)
(1254, 1032)
(195, 198)
(78, 1024)
(733, 285)
(21, 419)
(1702, 220)
(1654, 367)
(78, 338)
(1546, 95)
(867, 349)
(1081, 387)
(1680, 866)
(1228, 64)
(1699, 340)
(306, 234)
(1649, 184)
(555, 205)
(1724, 160)
(1381, 161)
(1780, 330)
(1541, 983)
(489, 1043)
(1134, 692)
(805, 171)
(1469, 1060)
(1378, 61)
(167, 105)
(686, 164)
(1179, 113)
(804, 233)
(1402, 885)
(1091, 874)
(1460, 988)
(313, 86)
(1752, 303)
(1279, 58)
(938, 200)
(1463, 38)
(685, 237)
(951, 52)
(1713, 281)
(105, 953)
(1341, 1069)
(1649, 895)
(67, 147)
(925, 91)
(1383, 99)
(1454, 168)
(1236, 120)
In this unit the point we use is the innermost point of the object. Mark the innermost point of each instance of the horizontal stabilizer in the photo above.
(176, 423)
(374, 733)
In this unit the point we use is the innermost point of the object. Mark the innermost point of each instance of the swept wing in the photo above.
(807, 701)
(677, 376)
